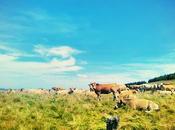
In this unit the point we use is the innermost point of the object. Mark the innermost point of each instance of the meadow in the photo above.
(80, 112)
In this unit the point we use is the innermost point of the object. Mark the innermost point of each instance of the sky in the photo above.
(46, 43)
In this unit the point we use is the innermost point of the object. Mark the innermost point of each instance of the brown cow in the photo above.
(106, 89)
(141, 104)
(168, 87)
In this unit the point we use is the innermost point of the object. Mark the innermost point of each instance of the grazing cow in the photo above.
(140, 104)
(168, 87)
(71, 90)
(57, 89)
(148, 87)
(134, 87)
(18, 91)
(106, 89)
(63, 92)
(165, 92)
(137, 88)
(156, 87)
(10, 91)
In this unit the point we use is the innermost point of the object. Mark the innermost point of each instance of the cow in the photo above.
(10, 91)
(123, 95)
(64, 92)
(57, 89)
(168, 87)
(71, 90)
(140, 104)
(165, 92)
(137, 87)
(106, 89)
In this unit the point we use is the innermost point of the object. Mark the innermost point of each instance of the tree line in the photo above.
(137, 83)
(160, 78)
(164, 77)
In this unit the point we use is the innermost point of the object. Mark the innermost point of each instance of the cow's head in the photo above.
(119, 102)
(92, 86)
(134, 91)
(123, 100)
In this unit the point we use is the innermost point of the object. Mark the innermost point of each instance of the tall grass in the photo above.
(75, 112)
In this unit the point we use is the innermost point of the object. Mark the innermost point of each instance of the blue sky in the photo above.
(71, 43)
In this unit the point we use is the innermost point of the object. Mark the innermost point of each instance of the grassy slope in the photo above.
(165, 81)
(75, 112)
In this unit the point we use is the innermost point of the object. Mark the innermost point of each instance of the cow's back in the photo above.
(105, 86)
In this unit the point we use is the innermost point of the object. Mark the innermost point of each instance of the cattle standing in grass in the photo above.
(10, 91)
(106, 89)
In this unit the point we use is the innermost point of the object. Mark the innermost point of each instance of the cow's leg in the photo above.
(114, 96)
(98, 95)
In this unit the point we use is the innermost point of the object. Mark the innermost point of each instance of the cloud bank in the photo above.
(61, 61)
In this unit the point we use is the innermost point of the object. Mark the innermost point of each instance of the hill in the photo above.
(74, 112)
(163, 78)
(164, 81)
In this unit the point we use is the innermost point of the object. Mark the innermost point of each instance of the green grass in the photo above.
(73, 112)
(165, 81)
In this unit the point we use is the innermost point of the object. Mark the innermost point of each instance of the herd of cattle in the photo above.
(122, 94)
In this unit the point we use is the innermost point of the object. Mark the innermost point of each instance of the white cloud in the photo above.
(62, 51)
(15, 73)
(9, 50)
(13, 52)
(145, 71)
(62, 60)
(11, 65)
(130, 73)
(82, 80)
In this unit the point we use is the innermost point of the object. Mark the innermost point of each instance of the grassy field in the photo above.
(75, 112)
(165, 81)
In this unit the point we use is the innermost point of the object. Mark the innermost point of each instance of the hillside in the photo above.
(163, 78)
(164, 81)
(74, 112)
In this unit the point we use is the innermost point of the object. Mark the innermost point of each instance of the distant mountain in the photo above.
(164, 77)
